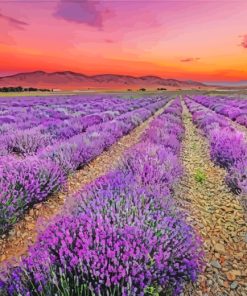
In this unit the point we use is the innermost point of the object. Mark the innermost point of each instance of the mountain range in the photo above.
(68, 80)
(229, 84)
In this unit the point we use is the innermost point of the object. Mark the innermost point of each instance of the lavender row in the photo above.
(24, 183)
(31, 141)
(38, 111)
(49, 129)
(123, 234)
(64, 107)
(228, 148)
(61, 100)
(235, 109)
(75, 152)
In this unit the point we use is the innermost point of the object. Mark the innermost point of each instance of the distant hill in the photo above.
(71, 80)
(229, 84)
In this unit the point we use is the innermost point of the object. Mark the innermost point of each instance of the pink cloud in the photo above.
(109, 41)
(244, 41)
(188, 60)
(13, 21)
(82, 12)
(8, 25)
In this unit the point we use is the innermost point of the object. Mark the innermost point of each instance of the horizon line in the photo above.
(4, 75)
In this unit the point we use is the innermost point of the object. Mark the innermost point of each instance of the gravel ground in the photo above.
(24, 233)
(218, 217)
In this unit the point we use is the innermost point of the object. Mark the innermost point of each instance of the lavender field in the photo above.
(113, 195)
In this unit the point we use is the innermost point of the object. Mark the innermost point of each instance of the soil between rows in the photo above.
(217, 215)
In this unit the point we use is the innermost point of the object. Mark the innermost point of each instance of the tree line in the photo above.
(21, 89)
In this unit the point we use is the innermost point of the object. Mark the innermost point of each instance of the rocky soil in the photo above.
(218, 217)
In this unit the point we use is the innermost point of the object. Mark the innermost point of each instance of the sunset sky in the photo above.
(199, 40)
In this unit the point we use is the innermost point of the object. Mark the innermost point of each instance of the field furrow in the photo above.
(228, 147)
(216, 214)
(242, 127)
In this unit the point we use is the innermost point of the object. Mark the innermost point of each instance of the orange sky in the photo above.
(200, 40)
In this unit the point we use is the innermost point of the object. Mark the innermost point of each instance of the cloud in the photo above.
(109, 41)
(188, 60)
(13, 21)
(244, 41)
(80, 11)
(7, 26)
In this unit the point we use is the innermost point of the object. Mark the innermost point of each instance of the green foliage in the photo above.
(194, 146)
(21, 89)
(200, 176)
(151, 291)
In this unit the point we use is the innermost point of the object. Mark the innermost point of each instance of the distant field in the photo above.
(233, 93)
(124, 93)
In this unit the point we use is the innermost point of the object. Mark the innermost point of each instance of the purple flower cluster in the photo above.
(27, 142)
(122, 234)
(228, 147)
(28, 183)
(233, 108)
(38, 126)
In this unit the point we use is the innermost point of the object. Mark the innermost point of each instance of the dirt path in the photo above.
(24, 233)
(217, 215)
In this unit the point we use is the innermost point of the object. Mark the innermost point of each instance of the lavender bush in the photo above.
(110, 260)
(30, 182)
(27, 142)
(227, 147)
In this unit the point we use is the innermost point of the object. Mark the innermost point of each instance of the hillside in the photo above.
(72, 80)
